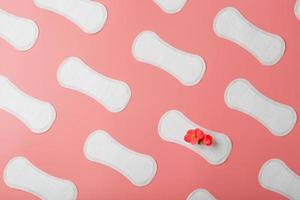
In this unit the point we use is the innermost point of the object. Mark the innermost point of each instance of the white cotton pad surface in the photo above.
(200, 194)
(19, 32)
(276, 176)
(187, 68)
(37, 115)
(101, 148)
(90, 16)
(266, 47)
(173, 126)
(171, 6)
(297, 9)
(21, 174)
(278, 118)
(74, 74)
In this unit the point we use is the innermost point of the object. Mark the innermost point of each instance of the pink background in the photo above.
(60, 150)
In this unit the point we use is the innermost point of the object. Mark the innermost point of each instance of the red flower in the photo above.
(197, 136)
(194, 136)
(207, 140)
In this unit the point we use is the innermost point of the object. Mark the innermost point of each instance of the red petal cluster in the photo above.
(197, 136)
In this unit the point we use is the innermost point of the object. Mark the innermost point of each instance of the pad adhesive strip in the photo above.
(90, 16)
(21, 174)
(266, 47)
(200, 194)
(101, 148)
(276, 176)
(187, 68)
(74, 74)
(173, 126)
(297, 9)
(37, 115)
(25, 36)
(171, 6)
(278, 118)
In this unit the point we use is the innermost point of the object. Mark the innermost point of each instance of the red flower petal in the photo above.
(190, 132)
(199, 134)
(193, 141)
(207, 140)
(187, 138)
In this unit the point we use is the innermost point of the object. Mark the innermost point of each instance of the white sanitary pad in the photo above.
(37, 115)
(297, 9)
(268, 48)
(171, 6)
(20, 32)
(74, 74)
(278, 118)
(101, 148)
(89, 16)
(200, 194)
(21, 174)
(276, 176)
(149, 48)
(173, 126)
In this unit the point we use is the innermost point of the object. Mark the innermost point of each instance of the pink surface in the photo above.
(60, 150)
